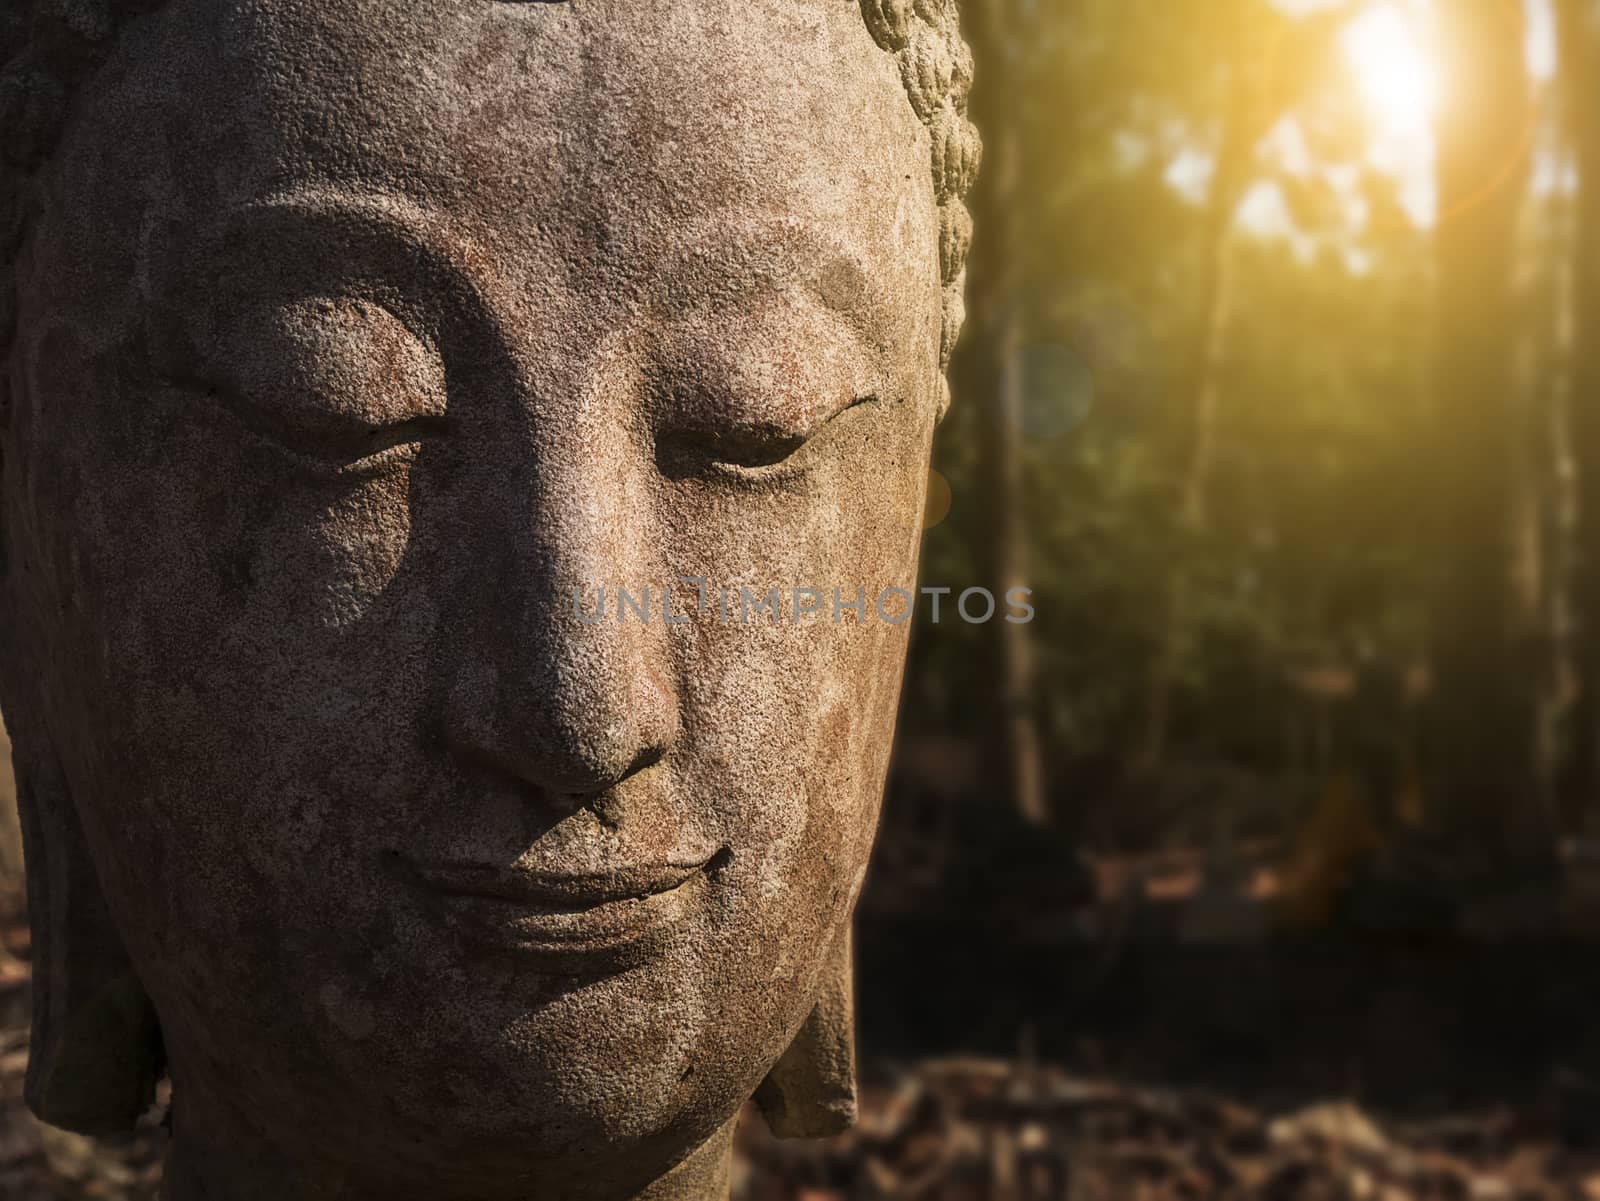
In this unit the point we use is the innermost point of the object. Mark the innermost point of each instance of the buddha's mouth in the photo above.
(568, 924)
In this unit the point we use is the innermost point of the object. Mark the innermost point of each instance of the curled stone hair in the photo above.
(48, 47)
(936, 66)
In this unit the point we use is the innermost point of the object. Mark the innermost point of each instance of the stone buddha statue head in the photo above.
(404, 403)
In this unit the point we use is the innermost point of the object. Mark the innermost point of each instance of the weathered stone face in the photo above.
(356, 336)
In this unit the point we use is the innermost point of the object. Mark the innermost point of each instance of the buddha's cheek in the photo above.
(245, 649)
(789, 717)
(789, 735)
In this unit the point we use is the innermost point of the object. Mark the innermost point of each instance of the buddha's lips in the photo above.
(556, 892)
(567, 924)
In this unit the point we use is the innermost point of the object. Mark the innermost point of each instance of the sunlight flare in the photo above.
(1397, 77)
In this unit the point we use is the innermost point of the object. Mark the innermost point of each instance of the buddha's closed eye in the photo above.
(341, 386)
(749, 451)
(761, 401)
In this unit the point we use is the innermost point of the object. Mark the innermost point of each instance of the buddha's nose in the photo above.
(548, 688)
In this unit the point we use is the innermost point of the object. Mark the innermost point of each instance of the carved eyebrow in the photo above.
(392, 212)
(388, 234)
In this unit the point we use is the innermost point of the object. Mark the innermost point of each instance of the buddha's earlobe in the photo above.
(811, 1091)
(96, 1049)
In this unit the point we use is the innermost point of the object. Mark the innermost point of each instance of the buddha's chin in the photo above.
(631, 1070)
(520, 1107)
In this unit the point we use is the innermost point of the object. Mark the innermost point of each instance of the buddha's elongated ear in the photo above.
(96, 1049)
(95, 1053)
(811, 1091)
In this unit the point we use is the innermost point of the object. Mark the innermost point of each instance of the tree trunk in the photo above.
(1577, 32)
(1228, 184)
(1482, 718)
(994, 289)
(1560, 515)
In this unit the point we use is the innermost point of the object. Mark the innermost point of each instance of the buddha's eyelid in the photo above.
(865, 388)
(335, 446)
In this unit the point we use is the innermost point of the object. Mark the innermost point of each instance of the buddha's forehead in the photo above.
(597, 127)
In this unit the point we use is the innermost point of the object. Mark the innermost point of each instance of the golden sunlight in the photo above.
(1396, 75)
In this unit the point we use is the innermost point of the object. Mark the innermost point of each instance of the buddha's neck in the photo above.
(212, 1166)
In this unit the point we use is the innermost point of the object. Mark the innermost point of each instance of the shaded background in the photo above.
(1265, 862)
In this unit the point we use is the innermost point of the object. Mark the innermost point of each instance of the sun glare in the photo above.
(1396, 76)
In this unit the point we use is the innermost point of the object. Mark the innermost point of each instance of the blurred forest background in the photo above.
(1266, 861)
(1282, 392)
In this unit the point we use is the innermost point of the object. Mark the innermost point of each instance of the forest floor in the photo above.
(955, 1129)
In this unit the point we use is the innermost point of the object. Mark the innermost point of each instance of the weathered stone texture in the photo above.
(346, 341)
